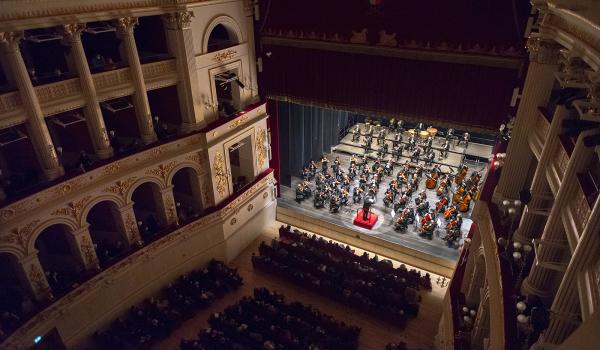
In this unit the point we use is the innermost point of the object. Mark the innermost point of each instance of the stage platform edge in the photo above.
(373, 244)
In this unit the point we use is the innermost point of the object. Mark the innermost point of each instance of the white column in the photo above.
(180, 40)
(140, 97)
(166, 210)
(127, 225)
(253, 82)
(36, 125)
(93, 114)
(527, 227)
(536, 91)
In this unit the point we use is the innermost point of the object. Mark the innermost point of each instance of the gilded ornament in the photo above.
(233, 221)
(261, 148)
(224, 56)
(179, 20)
(121, 187)
(162, 170)
(88, 251)
(544, 51)
(198, 157)
(250, 207)
(36, 276)
(220, 173)
(7, 214)
(73, 209)
(20, 236)
(238, 122)
(112, 168)
(127, 23)
(131, 227)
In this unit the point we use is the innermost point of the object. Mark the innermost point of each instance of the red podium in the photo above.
(369, 223)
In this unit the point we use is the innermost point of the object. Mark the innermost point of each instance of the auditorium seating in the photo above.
(157, 317)
(267, 322)
(371, 285)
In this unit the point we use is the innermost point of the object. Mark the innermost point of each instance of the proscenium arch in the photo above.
(229, 23)
(71, 224)
(103, 198)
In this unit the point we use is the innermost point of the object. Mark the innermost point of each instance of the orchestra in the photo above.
(454, 188)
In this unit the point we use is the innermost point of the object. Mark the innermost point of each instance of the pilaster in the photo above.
(93, 114)
(536, 91)
(167, 212)
(36, 125)
(32, 275)
(83, 246)
(143, 113)
(178, 28)
(127, 225)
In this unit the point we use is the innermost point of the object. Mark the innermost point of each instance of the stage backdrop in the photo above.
(305, 133)
(442, 93)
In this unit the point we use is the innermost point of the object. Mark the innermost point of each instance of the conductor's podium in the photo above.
(369, 223)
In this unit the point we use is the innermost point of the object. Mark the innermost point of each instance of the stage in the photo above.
(436, 250)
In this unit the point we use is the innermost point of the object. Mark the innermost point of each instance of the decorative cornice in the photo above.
(20, 237)
(72, 31)
(238, 122)
(560, 24)
(162, 170)
(11, 40)
(121, 187)
(126, 24)
(73, 209)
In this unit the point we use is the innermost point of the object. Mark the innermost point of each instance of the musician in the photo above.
(364, 162)
(381, 137)
(466, 138)
(450, 213)
(414, 156)
(319, 201)
(397, 151)
(324, 163)
(367, 207)
(411, 142)
(362, 183)
(398, 137)
(389, 198)
(299, 192)
(357, 194)
(389, 167)
(313, 168)
(334, 204)
(305, 173)
(428, 225)
(336, 165)
(440, 206)
(453, 229)
(400, 126)
(420, 127)
(450, 134)
(384, 148)
(307, 190)
(352, 172)
(369, 129)
(344, 196)
(429, 157)
(320, 180)
(428, 143)
(445, 149)
(353, 159)
(392, 125)
(356, 133)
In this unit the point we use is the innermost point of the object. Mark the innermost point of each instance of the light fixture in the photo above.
(526, 248)
(517, 256)
(517, 245)
(522, 318)
(521, 306)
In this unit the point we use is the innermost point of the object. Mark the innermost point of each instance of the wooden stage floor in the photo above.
(384, 229)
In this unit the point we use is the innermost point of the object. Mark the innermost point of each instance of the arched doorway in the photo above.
(221, 38)
(186, 191)
(14, 297)
(56, 252)
(147, 206)
(110, 243)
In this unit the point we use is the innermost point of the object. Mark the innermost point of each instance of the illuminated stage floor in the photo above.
(384, 229)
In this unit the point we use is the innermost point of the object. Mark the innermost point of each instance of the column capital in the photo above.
(72, 31)
(10, 40)
(542, 50)
(126, 24)
(178, 20)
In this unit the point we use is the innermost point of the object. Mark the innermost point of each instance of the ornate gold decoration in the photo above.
(126, 23)
(72, 31)
(265, 195)
(171, 212)
(233, 221)
(36, 276)
(112, 168)
(205, 193)
(7, 214)
(238, 122)
(162, 170)
(11, 39)
(18, 236)
(220, 173)
(131, 227)
(224, 56)
(73, 208)
(561, 24)
(250, 207)
(261, 148)
(179, 20)
(121, 187)
(544, 51)
(88, 251)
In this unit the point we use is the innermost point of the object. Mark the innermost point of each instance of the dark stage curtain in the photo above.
(305, 133)
(464, 95)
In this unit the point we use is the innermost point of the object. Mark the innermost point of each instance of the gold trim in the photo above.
(220, 173)
(73, 209)
(261, 149)
(121, 187)
(238, 122)
(224, 56)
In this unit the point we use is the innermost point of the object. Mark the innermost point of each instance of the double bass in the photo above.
(465, 203)
(443, 187)
(460, 175)
(431, 182)
(441, 204)
(450, 212)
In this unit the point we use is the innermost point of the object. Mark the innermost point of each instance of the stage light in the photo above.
(37, 339)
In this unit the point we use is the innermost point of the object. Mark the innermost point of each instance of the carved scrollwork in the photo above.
(36, 276)
(162, 170)
(179, 20)
(220, 173)
(261, 148)
(88, 251)
(224, 56)
(73, 209)
(238, 122)
(126, 23)
(20, 237)
(131, 228)
(121, 187)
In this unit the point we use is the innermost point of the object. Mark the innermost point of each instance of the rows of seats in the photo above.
(371, 285)
(157, 317)
(267, 322)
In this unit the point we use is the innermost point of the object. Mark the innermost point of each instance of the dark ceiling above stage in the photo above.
(487, 23)
(314, 56)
